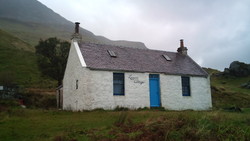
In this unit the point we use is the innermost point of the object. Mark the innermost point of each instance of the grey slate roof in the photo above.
(96, 56)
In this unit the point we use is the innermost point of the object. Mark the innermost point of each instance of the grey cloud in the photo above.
(215, 32)
(218, 30)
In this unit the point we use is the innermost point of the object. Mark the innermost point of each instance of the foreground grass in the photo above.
(47, 125)
(23, 124)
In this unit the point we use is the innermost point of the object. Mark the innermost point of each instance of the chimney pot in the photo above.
(181, 43)
(77, 27)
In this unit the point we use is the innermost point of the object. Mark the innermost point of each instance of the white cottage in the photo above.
(106, 76)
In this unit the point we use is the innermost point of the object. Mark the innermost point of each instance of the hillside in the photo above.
(18, 62)
(30, 20)
(227, 90)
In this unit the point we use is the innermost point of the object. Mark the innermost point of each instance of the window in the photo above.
(166, 57)
(118, 83)
(76, 84)
(185, 86)
(111, 53)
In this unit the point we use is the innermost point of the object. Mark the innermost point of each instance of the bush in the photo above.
(143, 109)
(39, 100)
(121, 109)
(9, 103)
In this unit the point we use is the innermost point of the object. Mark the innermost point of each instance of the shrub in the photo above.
(121, 108)
(143, 109)
(39, 100)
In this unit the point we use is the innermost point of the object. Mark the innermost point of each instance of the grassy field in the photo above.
(53, 125)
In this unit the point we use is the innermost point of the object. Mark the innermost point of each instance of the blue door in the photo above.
(154, 87)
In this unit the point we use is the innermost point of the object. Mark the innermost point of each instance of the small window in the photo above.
(76, 84)
(118, 83)
(166, 57)
(185, 81)
(111, 53)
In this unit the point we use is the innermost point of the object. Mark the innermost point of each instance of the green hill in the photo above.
(22, 24)
(18, 62)
(227, 90)
(30, 21)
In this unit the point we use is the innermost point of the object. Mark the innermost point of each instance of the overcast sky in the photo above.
(216, 32)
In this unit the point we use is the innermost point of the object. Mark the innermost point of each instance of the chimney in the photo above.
(77, 36)
(182, 49)
(77, 27)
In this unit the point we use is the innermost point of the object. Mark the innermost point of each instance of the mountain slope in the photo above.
(18, 62)
(30, 20)
(227, 90)
(29, 11)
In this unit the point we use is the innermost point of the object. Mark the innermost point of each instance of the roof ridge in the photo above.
(97, 44)
(102, 44)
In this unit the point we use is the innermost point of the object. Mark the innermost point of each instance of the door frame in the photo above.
(155, 77)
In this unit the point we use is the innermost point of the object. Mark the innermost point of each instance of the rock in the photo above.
(23, 106)
(245, 85)
(226, 71)
(238, 69)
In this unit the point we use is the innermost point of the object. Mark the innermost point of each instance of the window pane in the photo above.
(185, 86)
(118, 83)
(118, 89)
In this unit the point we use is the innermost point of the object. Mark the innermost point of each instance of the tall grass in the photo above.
(30, 124)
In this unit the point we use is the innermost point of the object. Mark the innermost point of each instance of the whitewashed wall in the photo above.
(73, 98)
(95, 89)
(171, 93)
(100, 86)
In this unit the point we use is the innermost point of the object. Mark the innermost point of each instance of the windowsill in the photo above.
(118, 94)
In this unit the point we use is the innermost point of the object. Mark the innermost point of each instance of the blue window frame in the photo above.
(185, 81)
(118, 83)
